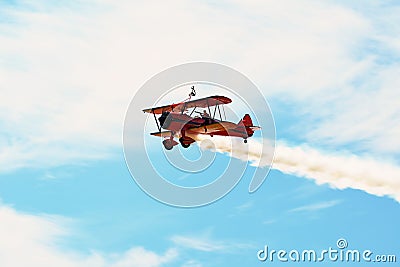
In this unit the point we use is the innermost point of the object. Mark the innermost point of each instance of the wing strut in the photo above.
(215, 110)
(209, 110)
(183, 109)
(192, 111)
(219, 111)
(223, 109)
(158, 126)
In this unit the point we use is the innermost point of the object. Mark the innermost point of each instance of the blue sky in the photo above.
(329, 71)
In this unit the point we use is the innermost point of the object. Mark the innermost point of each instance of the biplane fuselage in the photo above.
(184, 127)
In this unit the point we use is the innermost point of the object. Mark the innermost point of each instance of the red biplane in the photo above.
(177, 119)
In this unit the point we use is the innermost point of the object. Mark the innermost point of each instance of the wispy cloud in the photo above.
(206, 244)
(48, 176)
(364, 117)
(192, 263)
(36, 238)
(139, 256)
(316, 206)
(269, 221)
(199, 243)
(242, 209)
(245, 206)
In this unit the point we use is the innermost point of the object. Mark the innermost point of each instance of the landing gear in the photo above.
(245, 141)
(168, 144)
(181, 140)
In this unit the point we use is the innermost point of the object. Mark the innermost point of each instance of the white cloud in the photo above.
(67, 73)
(32, 240)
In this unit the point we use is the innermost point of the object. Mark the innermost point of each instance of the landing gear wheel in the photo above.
(183, 143)
(168, 145)
(245, 141)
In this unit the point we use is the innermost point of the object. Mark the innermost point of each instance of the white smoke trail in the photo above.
(339, 171)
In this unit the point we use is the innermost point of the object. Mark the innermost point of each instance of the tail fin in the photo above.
(247, 122)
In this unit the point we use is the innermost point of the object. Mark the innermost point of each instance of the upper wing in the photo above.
(166, 108)
(201, 103)
(207, 102)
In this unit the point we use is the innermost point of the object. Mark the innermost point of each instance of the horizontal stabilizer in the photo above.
(254, 128)
(162, 134)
